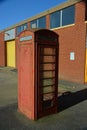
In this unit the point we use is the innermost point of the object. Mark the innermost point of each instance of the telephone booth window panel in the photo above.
(47, 67)
(47, 51)
(47, 74)
(47, 60)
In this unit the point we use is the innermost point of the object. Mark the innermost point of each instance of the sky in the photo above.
(15, 11)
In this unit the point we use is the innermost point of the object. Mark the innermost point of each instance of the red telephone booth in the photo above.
(37, 73)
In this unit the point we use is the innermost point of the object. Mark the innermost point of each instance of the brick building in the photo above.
(69, 20)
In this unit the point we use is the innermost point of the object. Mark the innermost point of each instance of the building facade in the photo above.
(69, 21)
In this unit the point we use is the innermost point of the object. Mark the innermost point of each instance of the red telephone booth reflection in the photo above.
(37, 73)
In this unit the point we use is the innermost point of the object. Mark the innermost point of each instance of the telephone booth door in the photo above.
(47, 82)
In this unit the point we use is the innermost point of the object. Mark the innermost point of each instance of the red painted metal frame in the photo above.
(30, 101)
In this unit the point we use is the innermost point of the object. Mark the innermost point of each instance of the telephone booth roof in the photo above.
(43, 35)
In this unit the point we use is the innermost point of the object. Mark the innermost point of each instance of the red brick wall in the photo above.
(2, 49)
(72, 39)
(47, 21)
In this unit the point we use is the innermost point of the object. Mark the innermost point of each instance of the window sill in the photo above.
(63, 27)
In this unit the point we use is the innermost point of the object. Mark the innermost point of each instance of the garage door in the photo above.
(10, 46)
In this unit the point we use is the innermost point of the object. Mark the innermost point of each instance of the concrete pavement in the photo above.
(72, 106)
(8, 86)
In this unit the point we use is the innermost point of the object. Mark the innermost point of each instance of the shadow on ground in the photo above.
(69, 99)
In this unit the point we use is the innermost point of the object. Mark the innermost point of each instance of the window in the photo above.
(33, 24)
(22, 28)
(42, 22)
(86, 10)
(38, 23)
(55, 19)
(68, 15)
(62, 17)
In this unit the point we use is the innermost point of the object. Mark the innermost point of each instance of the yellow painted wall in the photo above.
(10, 46)
(86, 67)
